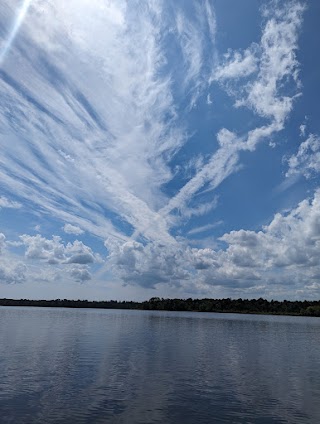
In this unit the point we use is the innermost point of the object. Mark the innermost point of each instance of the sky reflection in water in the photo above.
(88, 366)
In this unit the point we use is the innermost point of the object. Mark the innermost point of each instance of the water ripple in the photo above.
(88, 366)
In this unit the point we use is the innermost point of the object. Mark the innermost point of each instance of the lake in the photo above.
(112, 366)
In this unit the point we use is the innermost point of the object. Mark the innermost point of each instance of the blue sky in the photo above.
(156, 148)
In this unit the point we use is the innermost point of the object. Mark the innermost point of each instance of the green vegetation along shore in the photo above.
(242, 306)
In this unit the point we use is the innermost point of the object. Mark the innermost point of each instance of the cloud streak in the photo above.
(14, 31)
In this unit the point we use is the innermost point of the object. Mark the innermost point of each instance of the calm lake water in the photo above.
(112, 366)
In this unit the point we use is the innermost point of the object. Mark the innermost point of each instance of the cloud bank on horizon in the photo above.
(158, 148)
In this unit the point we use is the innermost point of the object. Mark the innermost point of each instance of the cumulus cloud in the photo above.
(306, 161)
(289, 244)
(45, 260)
(80, 274)
(283, 255)
(72, 229)
(13, 274)
(53, 251)
(81, 258)
(7, 203)
(11, 270)
(148, 265)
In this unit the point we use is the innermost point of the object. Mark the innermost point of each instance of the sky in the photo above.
(159, 148)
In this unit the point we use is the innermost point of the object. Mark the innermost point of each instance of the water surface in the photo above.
(113, 366)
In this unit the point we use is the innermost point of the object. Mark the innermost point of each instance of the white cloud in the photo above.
(201, 209)
(81, 258)
(66, 156)
(282, 257)
(302, 129)
(149, 265)
(286, 251)
(191, 46)
(16, 270)
(306, 161)
(13, 274)
(14, 30)
(12, 270)
(97, 126)
(277, 62)
(77, 151)
(2, 242)
(236, 65)
(6, 203)
(223, 163)
(204, 228)
(211, 19)
(79, 155)
(53, 251)
(45, 261)
(80, 274)
(191, 32)
(72, 229)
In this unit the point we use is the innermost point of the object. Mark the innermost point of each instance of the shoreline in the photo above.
(233, 306)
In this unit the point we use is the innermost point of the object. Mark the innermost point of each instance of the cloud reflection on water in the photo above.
(60, 366)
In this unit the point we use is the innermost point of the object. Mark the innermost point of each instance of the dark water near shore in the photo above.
(113, 366)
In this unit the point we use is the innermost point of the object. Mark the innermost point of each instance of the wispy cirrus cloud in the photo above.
(100, 154)
(14, 30)
(204, 228)
(191, 32)
(102, 161)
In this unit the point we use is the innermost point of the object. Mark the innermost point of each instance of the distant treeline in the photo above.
(243, 306)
